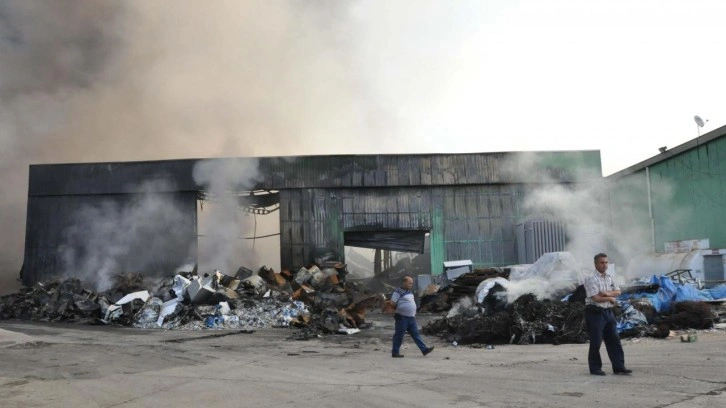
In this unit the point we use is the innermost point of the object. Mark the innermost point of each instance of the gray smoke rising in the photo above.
(89, 81)
(127, 234)
(221, 245)
(594, 223)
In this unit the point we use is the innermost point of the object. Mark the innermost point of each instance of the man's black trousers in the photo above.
(601, 326)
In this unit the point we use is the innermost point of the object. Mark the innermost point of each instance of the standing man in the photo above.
(402, 298)
(601, 292)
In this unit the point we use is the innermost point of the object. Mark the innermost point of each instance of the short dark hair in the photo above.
(600, 255)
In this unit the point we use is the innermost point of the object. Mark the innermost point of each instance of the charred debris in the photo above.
(474, 308)
(482, 313)
(316, 299)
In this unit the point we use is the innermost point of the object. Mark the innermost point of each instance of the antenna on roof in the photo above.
(699, 123)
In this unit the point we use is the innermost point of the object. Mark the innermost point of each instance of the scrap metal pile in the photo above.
(314, 298)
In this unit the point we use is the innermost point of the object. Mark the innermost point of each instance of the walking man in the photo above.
(405, 318)
(601, 292)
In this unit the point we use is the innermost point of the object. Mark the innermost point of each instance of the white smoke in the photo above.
(461, 306)
(128, 234)
(599, 216)
(222, 244)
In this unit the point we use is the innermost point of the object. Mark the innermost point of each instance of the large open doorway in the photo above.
(238, 230)
(384, 258)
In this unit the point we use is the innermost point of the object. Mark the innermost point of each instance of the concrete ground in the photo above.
(58, 365)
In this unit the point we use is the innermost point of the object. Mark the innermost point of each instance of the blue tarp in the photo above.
(660, 300)
(671, 292)
(631, 317)
(687, 292)
(717, 292)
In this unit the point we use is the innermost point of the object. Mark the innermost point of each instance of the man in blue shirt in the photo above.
(405, 318)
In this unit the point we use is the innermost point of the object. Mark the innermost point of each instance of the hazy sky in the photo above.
(624, 77)
(87, 81)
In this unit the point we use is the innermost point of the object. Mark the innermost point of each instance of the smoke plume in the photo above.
(595, 223)
(89, 81)
(224, 225)
(127, 234)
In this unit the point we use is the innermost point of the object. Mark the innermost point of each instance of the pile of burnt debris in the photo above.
(481, 313)
(477, 307)
(315, 298)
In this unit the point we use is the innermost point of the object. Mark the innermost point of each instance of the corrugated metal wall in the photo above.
(59, 224)
(318, 218)
(309, 220)
(468, 202)
(537, 237)
(477, 224)
(697, 205)
(688, 194)
(471, 222)
(630, 218)
(428, 170)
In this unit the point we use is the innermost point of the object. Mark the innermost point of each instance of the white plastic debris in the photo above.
(200, 289)
(223, 308)
(180, 286)
(486, 285)
(345, 330)
(114, 311)
(167, 308)
(142, 294)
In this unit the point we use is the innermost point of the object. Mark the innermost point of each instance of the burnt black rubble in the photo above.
(525, 321)
(529, 320)
(317, 301)
(312, 298)
(462, 287)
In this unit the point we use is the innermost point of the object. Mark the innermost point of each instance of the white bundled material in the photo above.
(552, 276)
(553, 267)
(486, 285)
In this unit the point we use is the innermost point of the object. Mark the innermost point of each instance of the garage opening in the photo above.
(387, 255)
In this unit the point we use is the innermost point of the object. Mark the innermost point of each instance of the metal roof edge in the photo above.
(515, 152)
(712, 135)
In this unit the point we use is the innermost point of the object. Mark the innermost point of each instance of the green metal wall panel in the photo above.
(478, 224)
(436, 241)
(630, 215)
(690, 195)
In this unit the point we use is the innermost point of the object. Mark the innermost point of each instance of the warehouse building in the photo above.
(466, 206)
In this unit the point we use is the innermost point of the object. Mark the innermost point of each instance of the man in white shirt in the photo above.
(601, 292)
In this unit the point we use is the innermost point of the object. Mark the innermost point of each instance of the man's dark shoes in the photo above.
(397, 355)
(428, 350)
(623, 371)
(601, 372)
